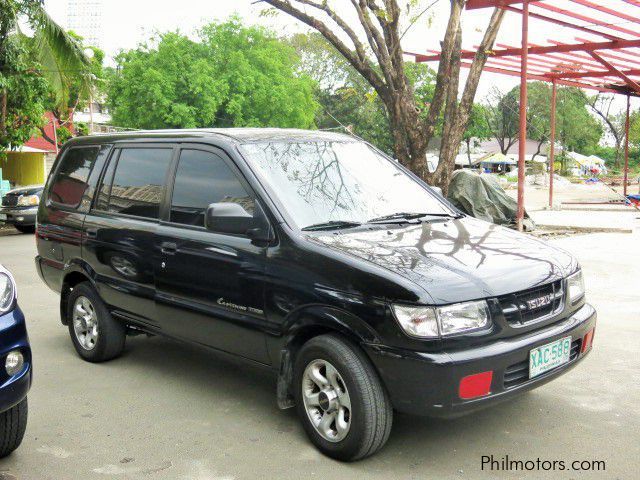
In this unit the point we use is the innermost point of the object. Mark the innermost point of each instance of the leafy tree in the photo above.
(346, 99)
(23, 90)
(373, 47)
(502, 114)
(79, 92)
(478, 128)
(613, 121)
(49, 52)
(634, 128)
(576, 128)
(231, 76)
(538, 113)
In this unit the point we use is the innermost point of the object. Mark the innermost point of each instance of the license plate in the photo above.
(549, 356)
(3, 216)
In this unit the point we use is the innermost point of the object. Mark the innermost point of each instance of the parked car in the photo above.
(15, 374)
(20, 206)
(315, 255)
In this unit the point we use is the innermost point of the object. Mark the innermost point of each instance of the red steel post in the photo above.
(522, 150)
(552, 140)
(626, 148)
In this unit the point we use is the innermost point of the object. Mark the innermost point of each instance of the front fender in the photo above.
(305, 323)
(320, 316)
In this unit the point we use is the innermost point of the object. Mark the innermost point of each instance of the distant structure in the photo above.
(84, 17)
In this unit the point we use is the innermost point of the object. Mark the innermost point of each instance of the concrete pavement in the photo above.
(165, 410)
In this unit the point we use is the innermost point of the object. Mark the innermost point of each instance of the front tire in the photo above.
(340, 399)
(96, 336)
(13, 424)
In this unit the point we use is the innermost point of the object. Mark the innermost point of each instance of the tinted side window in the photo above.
(70, 182)
(138, 181)
(102, 202)
(94, 176)
(203, 178)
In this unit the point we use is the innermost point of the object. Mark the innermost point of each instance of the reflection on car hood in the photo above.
(457, 260)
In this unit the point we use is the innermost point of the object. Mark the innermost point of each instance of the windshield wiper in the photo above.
(409, 216)
(332, 225)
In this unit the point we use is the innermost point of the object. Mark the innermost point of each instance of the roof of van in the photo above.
(236, 135)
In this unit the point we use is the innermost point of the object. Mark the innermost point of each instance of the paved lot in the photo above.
(170, 411)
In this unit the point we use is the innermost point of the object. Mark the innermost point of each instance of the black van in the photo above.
(315, 255)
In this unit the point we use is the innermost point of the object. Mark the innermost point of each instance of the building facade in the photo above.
(84, 17)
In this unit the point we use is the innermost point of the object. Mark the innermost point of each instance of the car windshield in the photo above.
(338, 184)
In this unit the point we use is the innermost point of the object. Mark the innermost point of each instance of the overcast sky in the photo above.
(128, 22)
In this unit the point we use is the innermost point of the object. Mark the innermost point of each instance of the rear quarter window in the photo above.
(70, 187)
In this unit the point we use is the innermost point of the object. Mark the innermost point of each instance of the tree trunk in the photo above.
(381, 64)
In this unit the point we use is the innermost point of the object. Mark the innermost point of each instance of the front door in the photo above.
(210, 286)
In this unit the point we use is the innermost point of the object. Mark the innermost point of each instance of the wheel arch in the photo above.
(304, 324)
(74, 275)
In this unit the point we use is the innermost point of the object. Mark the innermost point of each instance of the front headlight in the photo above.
(575, 284)
(7, 292)
(28, 201)
(431, 322)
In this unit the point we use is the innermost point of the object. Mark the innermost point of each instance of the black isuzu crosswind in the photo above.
(316, 256)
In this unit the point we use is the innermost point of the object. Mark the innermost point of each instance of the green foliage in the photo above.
(576, 129)
(634, 128)
(478, 127)
(23, 90)
(79, 91)
(232, 76)
(346, 98)
(47, 60)
(502, 111)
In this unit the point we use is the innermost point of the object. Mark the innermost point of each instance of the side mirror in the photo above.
(232, 218)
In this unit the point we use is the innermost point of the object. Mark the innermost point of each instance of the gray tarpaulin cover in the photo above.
(481, 196)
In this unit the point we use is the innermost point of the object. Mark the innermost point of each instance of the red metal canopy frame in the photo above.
(606, 60)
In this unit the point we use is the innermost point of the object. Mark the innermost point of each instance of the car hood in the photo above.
(456, 260)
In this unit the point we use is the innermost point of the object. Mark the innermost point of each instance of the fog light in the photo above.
(20, 219)
(477, 385)
(14, 362)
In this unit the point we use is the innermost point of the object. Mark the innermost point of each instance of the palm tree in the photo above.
(48, 49)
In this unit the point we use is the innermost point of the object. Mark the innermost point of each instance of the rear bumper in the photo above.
(13, 336)
(18, 216)
(427, 384)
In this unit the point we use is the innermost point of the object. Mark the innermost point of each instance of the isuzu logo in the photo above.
(542, 301)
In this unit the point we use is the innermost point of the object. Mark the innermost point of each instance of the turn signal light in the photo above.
(476, 385)
(587, 340)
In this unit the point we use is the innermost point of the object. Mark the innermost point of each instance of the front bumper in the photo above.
(13, 336)
(18, 216)
(427, 383)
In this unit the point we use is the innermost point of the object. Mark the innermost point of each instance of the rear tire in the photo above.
(13, 424)
(365, 416)
(96, 336)
(26, 228)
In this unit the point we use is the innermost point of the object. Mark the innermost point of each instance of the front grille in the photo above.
(532, 305)
(518, 373)
(10, 200)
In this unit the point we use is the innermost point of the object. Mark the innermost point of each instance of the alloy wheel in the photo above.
(85, 323)
(326, 400)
